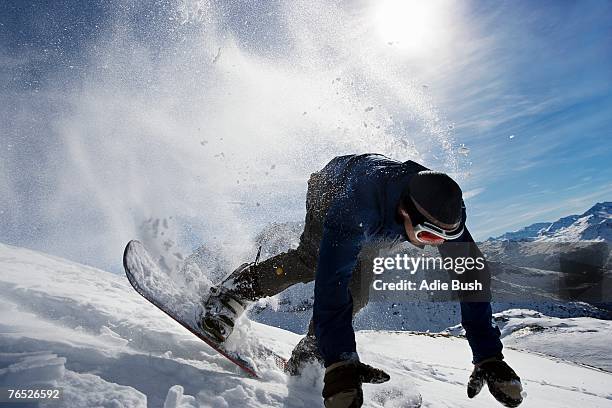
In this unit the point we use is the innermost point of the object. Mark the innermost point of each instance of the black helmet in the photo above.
(436, 197)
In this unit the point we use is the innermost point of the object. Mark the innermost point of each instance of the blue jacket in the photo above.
(365, 208)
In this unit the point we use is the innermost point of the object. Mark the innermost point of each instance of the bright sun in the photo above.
(417, 26)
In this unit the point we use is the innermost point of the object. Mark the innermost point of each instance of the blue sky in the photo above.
(215, 113)
(550, 89)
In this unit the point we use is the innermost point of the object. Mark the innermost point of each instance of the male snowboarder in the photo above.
(353, 200)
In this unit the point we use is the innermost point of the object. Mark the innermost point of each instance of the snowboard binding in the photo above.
(221, 310)
(227, 302)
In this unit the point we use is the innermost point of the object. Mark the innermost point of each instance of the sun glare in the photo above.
(416, 26)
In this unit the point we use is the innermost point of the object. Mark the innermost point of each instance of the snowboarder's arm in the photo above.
(333, 305)
(352, 217)
(476, 313)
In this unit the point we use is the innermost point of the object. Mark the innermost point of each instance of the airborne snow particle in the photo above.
(511, 137)
(463, 150)
(217, 56)
(369, 108)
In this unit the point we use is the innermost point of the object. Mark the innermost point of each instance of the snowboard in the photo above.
(157, 286)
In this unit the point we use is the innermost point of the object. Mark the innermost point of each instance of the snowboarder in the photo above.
(353, 200)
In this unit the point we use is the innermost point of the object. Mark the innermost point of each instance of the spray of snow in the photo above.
(190, 111)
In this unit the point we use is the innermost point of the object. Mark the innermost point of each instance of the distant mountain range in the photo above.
(594, 224)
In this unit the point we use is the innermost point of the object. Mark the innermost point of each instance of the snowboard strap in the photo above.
(236, 306)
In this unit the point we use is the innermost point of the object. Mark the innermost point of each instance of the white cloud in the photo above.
(472, 193)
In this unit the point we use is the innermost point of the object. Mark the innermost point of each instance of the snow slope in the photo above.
(583, 340)
(87, 331)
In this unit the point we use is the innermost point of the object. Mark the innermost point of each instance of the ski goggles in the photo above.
(427, 232)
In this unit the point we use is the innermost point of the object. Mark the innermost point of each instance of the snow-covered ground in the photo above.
(87, 331)
(582, 340)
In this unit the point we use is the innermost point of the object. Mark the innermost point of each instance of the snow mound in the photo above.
(33, 369)
(582, 340)
(88, 390)
(176, 398)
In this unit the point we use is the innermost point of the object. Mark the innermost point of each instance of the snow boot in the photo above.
(226, 303)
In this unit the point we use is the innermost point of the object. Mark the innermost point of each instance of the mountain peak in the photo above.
(603, 209)
(593, 224)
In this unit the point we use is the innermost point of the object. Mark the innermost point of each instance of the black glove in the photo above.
(502, 381)
(343, 381)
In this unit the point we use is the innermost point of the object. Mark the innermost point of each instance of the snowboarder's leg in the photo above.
(279, 272)
(251, 282)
